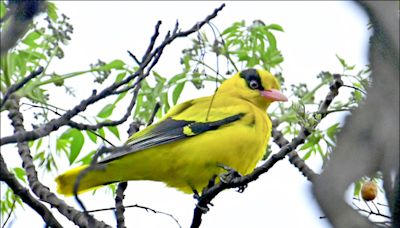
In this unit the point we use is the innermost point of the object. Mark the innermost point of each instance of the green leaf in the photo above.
(76, 145)
(114, 130)
(275, 27)
(176, 78)
(3, 9)
(115, 64)
(31, 37)
(177, 92)
(120, 97)
(88, 158)
(307, 145)
(242, 55)
(331, 131)
(101, 132)
(120, 76)
(342, 61)
(39, 143)
(271, 39)
(307, 155)
(77, 141)
(52, 11)
(34, 55)
(92, 137)
(231, 29)
(20, 173)
(357, 188)
(62, 144)
(106, 111)
(159, 78)
(164, 102)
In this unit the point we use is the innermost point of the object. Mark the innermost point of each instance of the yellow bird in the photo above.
(191, 143)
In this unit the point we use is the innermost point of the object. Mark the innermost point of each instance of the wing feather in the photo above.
(170, 130)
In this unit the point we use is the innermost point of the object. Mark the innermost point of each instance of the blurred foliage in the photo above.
(240, 46)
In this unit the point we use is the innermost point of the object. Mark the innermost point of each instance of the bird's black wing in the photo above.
(170, 130)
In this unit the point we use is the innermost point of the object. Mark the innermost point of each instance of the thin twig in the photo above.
(134, 57)
(141, 207)
(128, 113)
(9, 213)
(74, 124)
(358, 89)
(370, 212)
(20, 84)
(153, 114)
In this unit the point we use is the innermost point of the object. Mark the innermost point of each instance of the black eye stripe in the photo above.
(251, 77)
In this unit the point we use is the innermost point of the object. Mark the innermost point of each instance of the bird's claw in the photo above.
(241, 188)
(229, 175)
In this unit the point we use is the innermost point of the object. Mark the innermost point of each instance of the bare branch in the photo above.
(294, 157)
(119, 206)
(26, 196)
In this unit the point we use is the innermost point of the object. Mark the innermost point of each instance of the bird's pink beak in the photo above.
(273, 95)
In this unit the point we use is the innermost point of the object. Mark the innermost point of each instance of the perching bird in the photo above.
(195, 140)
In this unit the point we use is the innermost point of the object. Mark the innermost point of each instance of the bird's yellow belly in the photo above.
(191, 163)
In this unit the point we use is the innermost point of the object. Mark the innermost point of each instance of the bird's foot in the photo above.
(231, 174)
(241, 188)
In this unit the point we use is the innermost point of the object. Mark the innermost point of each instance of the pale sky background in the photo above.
(314, 33)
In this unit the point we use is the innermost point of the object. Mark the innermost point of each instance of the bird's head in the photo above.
(257, 86)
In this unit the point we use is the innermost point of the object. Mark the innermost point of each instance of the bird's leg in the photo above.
(229, 176)
(212, 181)
(196, 194)
(199, 198)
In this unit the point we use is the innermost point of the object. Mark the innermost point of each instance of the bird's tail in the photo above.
(92, 179)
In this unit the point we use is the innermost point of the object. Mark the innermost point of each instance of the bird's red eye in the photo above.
(253, 84)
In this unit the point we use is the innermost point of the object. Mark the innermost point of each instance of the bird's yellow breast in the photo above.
(190, 163)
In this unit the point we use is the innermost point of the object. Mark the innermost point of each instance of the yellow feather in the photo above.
(188, 164)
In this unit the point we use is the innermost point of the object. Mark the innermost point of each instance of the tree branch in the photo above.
(40, 190)
(294, 157)
(128, 112)
(119, 206)
(141, 207)
(149, 61)
(26, 196)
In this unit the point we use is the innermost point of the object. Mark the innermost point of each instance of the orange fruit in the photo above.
(369, 190)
